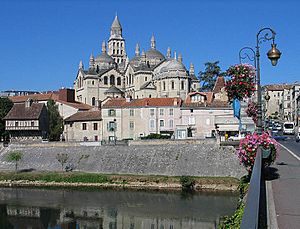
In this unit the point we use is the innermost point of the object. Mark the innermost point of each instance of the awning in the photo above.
(228, 127)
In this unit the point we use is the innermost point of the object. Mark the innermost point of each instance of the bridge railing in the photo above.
(255, 209)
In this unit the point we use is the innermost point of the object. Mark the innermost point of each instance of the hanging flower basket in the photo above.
(251, 111)
(242, 82)
(248, 148)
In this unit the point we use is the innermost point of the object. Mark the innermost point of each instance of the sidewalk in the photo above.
(286, 191)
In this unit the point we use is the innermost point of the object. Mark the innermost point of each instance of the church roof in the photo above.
(104, 58)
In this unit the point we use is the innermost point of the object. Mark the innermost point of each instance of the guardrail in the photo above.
(255, 210)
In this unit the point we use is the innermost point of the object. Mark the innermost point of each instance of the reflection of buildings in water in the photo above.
(116, 209)
(33, 212)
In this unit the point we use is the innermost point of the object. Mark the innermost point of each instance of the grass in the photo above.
(94, 178)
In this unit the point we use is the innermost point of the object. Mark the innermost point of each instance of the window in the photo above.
(93, 80)
(112, 80)
(152, 112)
(171, 123)
(152, 123)
(172, 85)
(71, 124)
(161, 112)
(112, 126)
(16, 124)
(192, 110)
(32, 123)
(83, 126)
(95, 126)
(145, 78)
(131, 112)
(171, 111)
(164, 86)
(161, 123)
(96, 138)
(93, 101)
(105, 80)
(119, 81)
(182, 85)
(131, 125)
(111, 112)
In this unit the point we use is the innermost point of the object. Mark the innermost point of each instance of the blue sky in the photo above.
(42, 42)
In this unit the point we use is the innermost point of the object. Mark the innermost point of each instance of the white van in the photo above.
(288, 128)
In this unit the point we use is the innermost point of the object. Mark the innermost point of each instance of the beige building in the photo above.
(148, 74)
(83, 126)
(132, 119)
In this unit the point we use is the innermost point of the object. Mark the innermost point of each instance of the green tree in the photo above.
(5, 106)
(210, 75)
(62, 158)
(55, 121)
(14, 156)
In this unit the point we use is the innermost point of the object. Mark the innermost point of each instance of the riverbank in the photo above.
(96, 180)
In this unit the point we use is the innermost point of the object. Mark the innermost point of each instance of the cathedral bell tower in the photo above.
(116, 43)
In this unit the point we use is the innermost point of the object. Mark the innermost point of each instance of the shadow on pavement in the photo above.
(271, 173)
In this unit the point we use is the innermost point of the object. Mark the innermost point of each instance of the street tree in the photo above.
(5, 106)
(14, 156)
(62, 158)
(209, 76)
(55, 121)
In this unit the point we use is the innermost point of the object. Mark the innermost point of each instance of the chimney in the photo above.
(28, 103)
(67, 95)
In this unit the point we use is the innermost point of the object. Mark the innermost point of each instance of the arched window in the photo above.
(172, 85)
(112, 80)
(149, 96)
(93, 101)
(93, 82)
(164, 86)
(119, 81)
(105, 80)
(182, 85)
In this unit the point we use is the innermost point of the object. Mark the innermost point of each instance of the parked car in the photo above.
(278, 137)
(298, 137)
(236, 137)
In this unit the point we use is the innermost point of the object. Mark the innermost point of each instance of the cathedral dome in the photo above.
(104, 58)
(154, 54)
(173, 65)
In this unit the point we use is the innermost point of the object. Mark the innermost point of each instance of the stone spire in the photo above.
(92, 61)
(137, 50)
(169, 53)
(175, 55)
(103, 47)
(80, 65)
(116, 28)
(192, 69)
(127, 60)
(180, 58)
(153, 43)
(143, 56)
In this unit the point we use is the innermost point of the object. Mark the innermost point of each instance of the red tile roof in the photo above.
(150, 102)
(20, 112)
(278, 87)
(77, 105)
(208, 95)
(85, 116)
(34, 97)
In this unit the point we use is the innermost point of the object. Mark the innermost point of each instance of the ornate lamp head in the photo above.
(274, 54)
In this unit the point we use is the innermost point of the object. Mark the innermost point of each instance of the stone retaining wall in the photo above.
(205, 158)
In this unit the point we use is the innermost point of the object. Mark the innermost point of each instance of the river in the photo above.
(23, 208)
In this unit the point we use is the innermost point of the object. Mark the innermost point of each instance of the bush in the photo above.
(14, 156)
(156, 136)
(187, 182)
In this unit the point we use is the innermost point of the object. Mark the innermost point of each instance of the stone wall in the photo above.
(204, 158)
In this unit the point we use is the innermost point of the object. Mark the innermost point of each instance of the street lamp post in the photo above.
(244, 54)
(273, 54)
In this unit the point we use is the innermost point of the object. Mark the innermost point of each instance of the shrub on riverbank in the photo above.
(234, 221)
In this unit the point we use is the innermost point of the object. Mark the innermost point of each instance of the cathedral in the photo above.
(148, 74)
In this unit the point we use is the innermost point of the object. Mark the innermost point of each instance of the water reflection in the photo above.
(110, 209)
